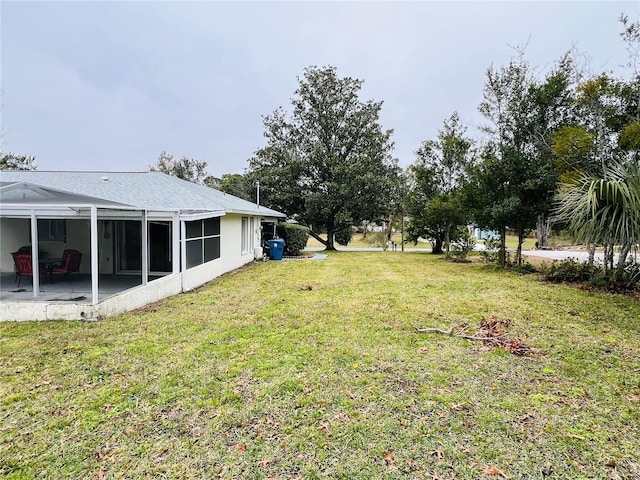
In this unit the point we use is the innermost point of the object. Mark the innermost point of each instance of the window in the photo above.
(203, 241)
(52, 230)
(244, 242)
(252, 229)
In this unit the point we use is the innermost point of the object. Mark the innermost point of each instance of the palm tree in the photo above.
(604, 211)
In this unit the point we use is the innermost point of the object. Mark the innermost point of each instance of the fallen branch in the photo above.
(490, 332)
(451, 333)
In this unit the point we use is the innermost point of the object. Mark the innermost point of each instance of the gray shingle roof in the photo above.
(145, 190)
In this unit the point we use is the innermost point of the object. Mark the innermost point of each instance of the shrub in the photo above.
(491, 252)
(461, 247)
(295, 237)
(525, 268)
(375, 239)
(572, 271)
(343, 236)
(594, 275)
(632, 273)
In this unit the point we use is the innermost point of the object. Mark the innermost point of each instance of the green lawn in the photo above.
(313, 369)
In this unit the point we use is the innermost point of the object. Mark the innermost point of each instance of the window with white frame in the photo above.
(252, 229)
(203, 241)
(244, 241)
(52, 230)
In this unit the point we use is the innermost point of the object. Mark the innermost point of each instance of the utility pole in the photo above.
(258, 193)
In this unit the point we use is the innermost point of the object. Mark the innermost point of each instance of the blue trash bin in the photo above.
(276, 248)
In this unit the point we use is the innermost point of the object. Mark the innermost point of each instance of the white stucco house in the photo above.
(143, 236)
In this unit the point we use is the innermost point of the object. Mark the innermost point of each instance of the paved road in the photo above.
(578, 255)
(368, 249)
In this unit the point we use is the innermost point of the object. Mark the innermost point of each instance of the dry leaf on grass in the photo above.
(494, 471)
(389, 457)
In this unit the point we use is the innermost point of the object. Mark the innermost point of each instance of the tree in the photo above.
(516, 180)
(11, 161)
(605, 134)
(436, 177)
(238, 185)
(186, 168)
(604, 210)
(328, 164)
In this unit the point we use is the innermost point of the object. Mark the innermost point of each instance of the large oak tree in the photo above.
(328, 164)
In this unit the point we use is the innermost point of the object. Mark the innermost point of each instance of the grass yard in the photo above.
(313, 369)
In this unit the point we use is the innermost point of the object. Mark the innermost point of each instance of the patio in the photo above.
(76, 289)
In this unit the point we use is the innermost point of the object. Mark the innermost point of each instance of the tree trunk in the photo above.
(447, 240)
(330, 245)
(331, 232)
(543, 227)
(622, 260)
(592, 253)
(437, 247)
(519, 250)
(502, 254)
(608, 257)
(388, 235)
(320, 239)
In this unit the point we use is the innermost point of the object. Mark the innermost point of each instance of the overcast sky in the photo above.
(109, 85)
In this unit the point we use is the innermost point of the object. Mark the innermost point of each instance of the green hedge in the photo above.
(295, 237)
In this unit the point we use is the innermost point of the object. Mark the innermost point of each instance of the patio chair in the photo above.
(23, 265)
(70, 263)
(27, 250)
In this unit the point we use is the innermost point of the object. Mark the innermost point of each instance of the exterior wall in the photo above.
(78, 238)
(14, 233)
(139, 296)
(123, 302)
(231, 256)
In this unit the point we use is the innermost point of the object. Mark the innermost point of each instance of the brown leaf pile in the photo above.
(493, 331)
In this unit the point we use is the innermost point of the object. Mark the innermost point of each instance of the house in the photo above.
(483, 234)
(143, 236)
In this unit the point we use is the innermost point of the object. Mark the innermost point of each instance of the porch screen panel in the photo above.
(203, 241)
(211, 227)
(211, 248)
(194, 229)
(194, 252)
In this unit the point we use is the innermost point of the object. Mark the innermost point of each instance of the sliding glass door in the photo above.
(129, 247)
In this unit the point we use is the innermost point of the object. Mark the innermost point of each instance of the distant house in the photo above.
(143, 236)
(482, 234)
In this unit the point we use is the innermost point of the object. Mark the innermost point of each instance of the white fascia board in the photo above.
(257, 213)
(189, 217)
(78, 211)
